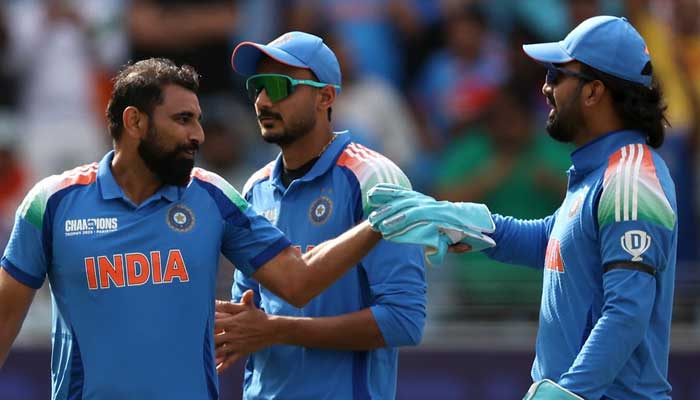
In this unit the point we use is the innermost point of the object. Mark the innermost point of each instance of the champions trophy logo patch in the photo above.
(180, 218)
(635, 243)
(320, 210)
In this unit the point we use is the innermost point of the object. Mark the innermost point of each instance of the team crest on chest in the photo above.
(320, 210)
(180, 218)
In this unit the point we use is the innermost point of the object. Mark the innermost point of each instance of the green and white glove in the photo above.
(549, 390)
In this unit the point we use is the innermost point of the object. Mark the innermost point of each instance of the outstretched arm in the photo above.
(15, 299)
(522, 242)
(298, 278)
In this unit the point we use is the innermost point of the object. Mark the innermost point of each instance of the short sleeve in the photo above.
(25, 257)
(249, 240)
(636, 210)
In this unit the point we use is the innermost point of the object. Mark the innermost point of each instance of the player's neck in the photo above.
(295, 155)
(135, 179)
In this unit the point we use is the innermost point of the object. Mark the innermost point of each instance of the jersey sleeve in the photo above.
(398, 293)
(636, 211)
(25, 256)
(522, 242)
(370, 168)
(249, 240)
(241, 284)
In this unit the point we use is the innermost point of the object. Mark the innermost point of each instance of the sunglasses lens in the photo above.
(276, 87)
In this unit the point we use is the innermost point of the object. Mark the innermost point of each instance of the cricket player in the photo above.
(344, 343)
(131, 244)
(609, 252)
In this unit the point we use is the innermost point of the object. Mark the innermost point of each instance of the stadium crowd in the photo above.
(440, 87)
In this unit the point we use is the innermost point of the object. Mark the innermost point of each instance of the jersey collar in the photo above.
(597, 152)
(324, 163)
(110, 189)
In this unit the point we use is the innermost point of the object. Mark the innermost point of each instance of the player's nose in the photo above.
(263, 100)
(547, 89)
(197, 133)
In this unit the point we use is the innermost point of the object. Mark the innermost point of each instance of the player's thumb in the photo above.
(247, 298)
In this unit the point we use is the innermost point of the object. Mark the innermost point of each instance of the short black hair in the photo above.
(140, 85)
(640, 108)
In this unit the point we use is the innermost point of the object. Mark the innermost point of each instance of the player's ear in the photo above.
(135, 122)
(326, 97)
(594, 92)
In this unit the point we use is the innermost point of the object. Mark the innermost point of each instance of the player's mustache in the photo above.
(268, 114)
(192, 146)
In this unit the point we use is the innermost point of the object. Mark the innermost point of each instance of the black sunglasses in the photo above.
(554, 73)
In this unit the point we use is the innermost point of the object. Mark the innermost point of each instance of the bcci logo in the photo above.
(180, 218)
(635, 243)
(320, 210)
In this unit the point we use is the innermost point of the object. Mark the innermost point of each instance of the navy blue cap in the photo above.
(608, 44)
(298, 49)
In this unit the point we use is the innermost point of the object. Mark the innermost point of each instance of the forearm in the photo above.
(8, 332)
(521, 242)
(15, 299)
(330, 260)
(354, 331)
(629, 300)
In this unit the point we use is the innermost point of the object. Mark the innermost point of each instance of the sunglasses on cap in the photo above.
(554, 73)
(277, 86)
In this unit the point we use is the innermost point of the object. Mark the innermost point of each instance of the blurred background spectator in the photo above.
(442, 87)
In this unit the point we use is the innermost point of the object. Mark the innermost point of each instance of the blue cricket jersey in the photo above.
(133, 286)
(325, 202)
(604, 334)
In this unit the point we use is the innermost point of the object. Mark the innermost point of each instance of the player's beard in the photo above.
(292, 131)
(169, 166)
(567, 120)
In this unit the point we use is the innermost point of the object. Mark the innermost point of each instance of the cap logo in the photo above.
(286, 38)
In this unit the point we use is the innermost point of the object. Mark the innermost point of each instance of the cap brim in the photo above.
(547, 53)
(246, 56)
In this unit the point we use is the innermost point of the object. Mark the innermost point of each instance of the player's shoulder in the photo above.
(371, 167)
(258, 176)
(636, 185)
(217, 187)
(34, 203)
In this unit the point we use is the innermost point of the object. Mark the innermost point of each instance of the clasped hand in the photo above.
(240, 329)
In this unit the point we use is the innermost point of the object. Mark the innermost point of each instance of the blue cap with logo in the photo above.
(608, 44)
(298, 49)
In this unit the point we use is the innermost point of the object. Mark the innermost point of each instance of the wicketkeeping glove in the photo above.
(406, 216)
(549, 390)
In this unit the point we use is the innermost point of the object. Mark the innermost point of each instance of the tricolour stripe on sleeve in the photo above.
(371, 168)
(33, 206)
(632, 190)
(220, 183)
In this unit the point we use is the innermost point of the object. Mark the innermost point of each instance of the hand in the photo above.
(459, 248)
(241, 328)
(397, 208)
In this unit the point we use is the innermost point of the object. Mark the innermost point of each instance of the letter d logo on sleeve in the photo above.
(635, 243)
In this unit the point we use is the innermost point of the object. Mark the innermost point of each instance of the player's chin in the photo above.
(274, 136)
